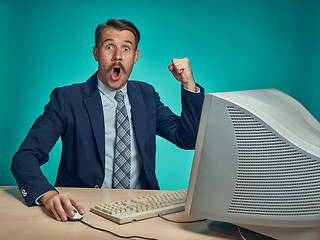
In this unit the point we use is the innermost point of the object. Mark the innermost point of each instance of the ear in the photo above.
(136, 55)
(95, 53)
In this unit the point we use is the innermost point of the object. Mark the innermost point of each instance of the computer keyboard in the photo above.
(142, 207)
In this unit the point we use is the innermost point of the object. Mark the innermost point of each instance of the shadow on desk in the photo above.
(207, 232)
(14, 191)
(199, 227)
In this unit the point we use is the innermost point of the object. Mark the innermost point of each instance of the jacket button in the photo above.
(96, 186)
(24, 193)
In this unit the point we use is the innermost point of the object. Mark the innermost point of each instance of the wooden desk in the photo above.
(17, 221)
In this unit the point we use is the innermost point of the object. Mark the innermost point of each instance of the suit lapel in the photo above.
(138, 115)
(93, 104)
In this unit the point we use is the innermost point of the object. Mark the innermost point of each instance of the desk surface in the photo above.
(17, 221)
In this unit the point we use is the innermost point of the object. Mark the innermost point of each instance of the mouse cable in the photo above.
(174, 221)
(114, 234)
(243, 238)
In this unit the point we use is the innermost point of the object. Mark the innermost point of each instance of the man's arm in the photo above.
(181, 131)
(34, 152)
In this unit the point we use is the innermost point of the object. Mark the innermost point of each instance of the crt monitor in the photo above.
(257, 164)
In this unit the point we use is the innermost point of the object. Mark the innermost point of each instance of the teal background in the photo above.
(232, 45)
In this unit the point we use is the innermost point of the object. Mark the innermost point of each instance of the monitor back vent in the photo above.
(274, 178)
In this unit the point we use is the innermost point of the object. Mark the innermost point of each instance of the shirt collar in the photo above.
(109, 92)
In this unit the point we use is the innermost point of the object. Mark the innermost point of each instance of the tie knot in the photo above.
(119, 96)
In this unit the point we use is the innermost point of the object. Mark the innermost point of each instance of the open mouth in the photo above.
(116, 73)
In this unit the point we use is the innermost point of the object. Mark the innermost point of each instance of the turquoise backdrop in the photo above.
(232, 45)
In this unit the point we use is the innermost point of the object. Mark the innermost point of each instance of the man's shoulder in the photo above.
(70, 92)
(70, 88)
(140, 85)
(87, 87)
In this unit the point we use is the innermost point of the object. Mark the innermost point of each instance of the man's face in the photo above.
(116, 56)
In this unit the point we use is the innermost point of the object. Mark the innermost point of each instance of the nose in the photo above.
(117, 55)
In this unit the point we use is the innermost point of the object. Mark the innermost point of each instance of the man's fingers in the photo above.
(68, 202)
(181, 64)
(170, 66)
(181, 70)
(178, 66)
(60, 210)
(78, 206)
(175, 74)
(61, 205)
(56, 215)
(67, 206)
(177, 69)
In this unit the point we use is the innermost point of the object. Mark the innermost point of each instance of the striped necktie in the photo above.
(122, 154)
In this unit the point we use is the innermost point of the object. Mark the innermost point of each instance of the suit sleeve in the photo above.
(181, 131)
(35, 149)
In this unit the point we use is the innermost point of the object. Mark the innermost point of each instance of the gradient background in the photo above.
(232, 45)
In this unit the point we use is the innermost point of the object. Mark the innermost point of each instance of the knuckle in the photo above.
(48, 207)
(64, 196)
(68, 195)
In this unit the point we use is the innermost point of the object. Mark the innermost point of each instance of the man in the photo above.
(89, 118)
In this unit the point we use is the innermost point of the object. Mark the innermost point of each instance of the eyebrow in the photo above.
(110, 39)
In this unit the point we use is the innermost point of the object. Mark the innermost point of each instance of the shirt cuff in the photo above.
(38, 202)
(197, 88)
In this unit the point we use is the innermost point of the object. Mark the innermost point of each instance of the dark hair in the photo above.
(118, 24)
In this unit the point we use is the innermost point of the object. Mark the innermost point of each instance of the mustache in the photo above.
(117, 64)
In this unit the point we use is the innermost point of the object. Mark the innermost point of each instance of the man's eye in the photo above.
(126, 48)
(109, 47)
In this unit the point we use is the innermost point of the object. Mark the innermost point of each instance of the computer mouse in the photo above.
(77, 216)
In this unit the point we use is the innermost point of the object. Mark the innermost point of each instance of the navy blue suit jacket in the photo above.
(75, 114)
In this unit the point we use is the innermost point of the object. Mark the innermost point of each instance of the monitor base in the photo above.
(232, 230)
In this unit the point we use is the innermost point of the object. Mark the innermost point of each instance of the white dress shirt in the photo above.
(109, 105)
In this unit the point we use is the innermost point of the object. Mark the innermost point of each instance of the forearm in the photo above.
(190, 116)
(34, 151)
(31, 182)
(181, 131)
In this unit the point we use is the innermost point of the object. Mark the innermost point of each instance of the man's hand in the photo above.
(181, 70)
(58, 203)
